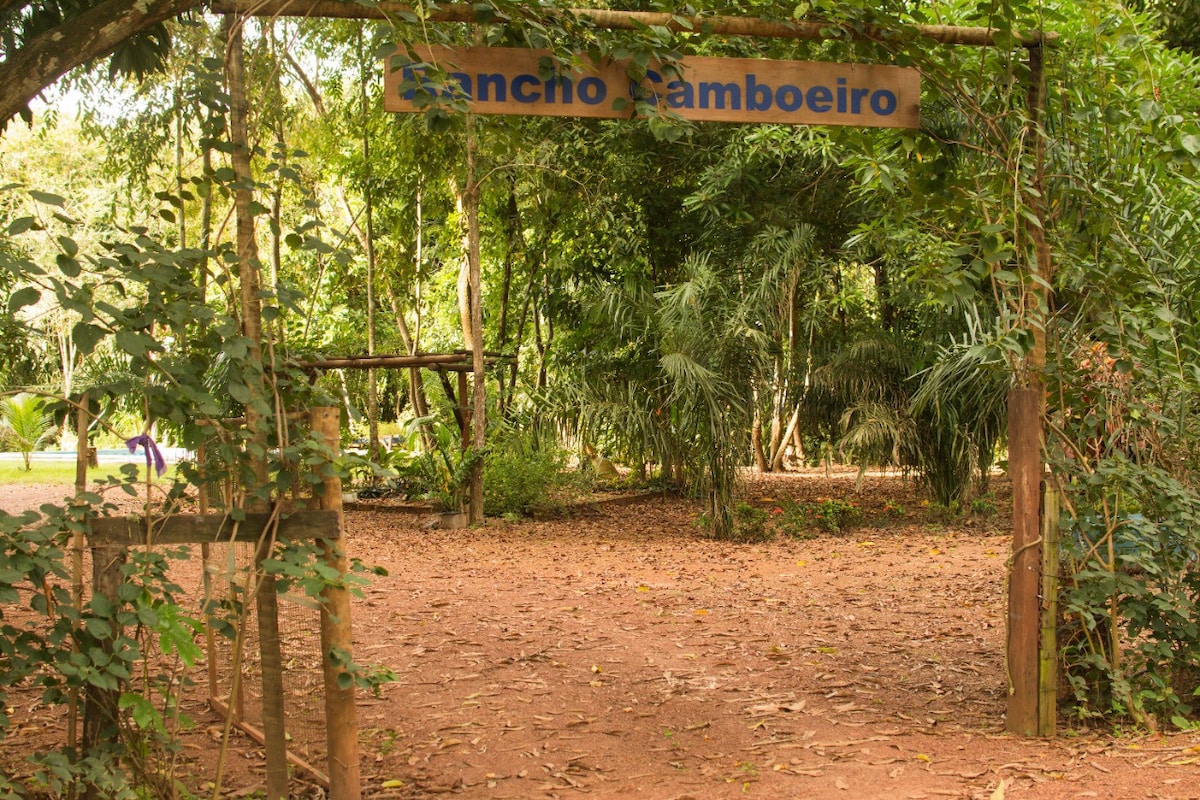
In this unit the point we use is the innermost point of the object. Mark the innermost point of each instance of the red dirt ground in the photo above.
(614, 652)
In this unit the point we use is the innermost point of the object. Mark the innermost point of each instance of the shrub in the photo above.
(798, 519)
(522, 478)
(1131, 598)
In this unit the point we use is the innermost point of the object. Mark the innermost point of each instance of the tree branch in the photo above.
(49, 55)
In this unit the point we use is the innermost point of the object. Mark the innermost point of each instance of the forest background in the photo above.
(688, 300)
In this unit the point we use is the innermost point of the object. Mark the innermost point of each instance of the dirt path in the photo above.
(615, 653)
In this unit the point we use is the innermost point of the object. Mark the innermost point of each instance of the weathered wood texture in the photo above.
(631, 20)
(447, 361)
(341, 714)
(1025, 570)
(505, 80)
(1048, 643)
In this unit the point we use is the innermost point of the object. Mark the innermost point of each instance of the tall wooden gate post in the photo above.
(341, 716)
(1026, 434)
(1024, 582)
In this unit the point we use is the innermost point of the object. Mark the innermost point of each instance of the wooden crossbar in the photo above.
(210, 528)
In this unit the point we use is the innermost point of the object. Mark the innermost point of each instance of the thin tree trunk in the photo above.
(778, 453)
(183, 231)
(515, 246)
(778, 385)
(475, 326)
(372, 376)
(760, 458)
(248, 275)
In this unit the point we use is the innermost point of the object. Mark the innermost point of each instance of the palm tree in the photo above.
(24, 423)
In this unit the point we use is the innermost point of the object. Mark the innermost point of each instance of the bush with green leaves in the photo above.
(798, 519)
(107, 645)
(523, 476)
(1132, 596)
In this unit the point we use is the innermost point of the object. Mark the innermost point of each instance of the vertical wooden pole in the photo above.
(81, 467)
(475, 342)
(100, 705)
(465, 412)
(1026, 412)
(1048, 643)
(341, 715)
(1024, 581)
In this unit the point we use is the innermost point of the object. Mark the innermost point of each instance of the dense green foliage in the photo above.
(688, 298)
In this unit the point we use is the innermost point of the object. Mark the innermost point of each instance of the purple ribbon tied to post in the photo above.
(152, 452)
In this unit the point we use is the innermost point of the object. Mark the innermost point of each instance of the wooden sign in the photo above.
(496, 80)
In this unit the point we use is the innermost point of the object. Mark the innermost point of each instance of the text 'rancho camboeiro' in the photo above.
(507, 81)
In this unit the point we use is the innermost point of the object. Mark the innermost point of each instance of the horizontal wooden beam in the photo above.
(449, 361)
(627, 20)
(212, 528)
(254, 733)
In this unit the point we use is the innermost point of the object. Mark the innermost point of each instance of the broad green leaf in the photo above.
(86, 336)
(48, 198)
(67, 265)
(23, 297)
(20, 225)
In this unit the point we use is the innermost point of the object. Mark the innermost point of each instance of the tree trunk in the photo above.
(256, 408)
(778, 387)
(788, 436)
(760, 458)
(475, 326)
(368, 212)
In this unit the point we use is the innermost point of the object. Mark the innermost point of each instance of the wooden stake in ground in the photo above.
(81, 467)
(341, 716)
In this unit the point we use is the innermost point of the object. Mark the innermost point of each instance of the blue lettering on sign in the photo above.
(856, 98)
(758, 95)
(820, 99)
(592, 91)
(520, 92)
(492, 81)
(884, 102)
(715, 95)
(564, 84)
(464, 81)
(789, 98)
(650, 97)
(752, 95)
(681, 95)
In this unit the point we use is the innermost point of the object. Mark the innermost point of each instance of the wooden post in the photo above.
(1026, 424)
(1048, 643)
(100, 705)
(341, 715)
(1024, 580)
(81, 467)
(464, 412)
